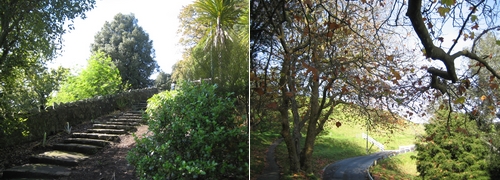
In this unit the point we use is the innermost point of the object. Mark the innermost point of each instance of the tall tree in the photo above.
(163, 81)
(30, 31)
(214, 34)
(481, 97)
(130, 48)
(30, 35)
(308, 57)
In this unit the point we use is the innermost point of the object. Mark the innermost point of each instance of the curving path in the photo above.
(272, 170)
(352, 168)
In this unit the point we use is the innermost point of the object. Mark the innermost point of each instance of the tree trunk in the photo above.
(292, 151)
(285, 130)
(306, 154)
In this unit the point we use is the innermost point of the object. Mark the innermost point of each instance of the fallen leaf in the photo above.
(338, 124)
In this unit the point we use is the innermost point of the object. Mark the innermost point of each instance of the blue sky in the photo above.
(158, 18)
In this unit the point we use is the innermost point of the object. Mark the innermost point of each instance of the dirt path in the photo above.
(352, 168)
(111, 163)
(272, 170)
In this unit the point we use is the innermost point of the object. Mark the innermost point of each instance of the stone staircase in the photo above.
(58, 162)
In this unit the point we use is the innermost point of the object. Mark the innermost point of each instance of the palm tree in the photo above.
(220, 17)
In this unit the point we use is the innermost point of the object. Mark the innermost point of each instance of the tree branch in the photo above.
(478, 59)
(431, 51)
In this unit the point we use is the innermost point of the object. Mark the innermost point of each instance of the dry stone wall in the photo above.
(53, 119)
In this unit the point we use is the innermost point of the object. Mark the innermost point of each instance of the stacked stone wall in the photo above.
(54, 118)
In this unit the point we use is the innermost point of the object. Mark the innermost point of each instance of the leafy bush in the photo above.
(101, 77)
(455, 153)
(196, 134)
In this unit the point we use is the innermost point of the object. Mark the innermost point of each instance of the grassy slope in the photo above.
(397, 167)
(332, 145)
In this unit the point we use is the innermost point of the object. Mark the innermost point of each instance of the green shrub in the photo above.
(455, 153)
(196, 134)
(100, 77)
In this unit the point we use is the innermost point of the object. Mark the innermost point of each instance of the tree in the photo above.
(214, 35)
(459, 154)
(30, 35)
(101, 77)
(480, 97)
(30, 31)
(130, 48)
(163, 81)
(308, 57)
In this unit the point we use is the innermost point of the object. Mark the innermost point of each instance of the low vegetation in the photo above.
(397, 167)
(333, 144)
(196, 134)
(101, 77)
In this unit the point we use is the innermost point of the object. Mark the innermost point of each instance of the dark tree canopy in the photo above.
(30, 31)
(130, 48)
(30, 35)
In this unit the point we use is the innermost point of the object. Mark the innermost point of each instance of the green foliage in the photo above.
(31, 31)
(215, 34)
(454, 152)
(401, 166)
(30, 34)
(101, 77)
(163, 81)
(482, 95)
(130, 48)
(196, 134)
(24, 92)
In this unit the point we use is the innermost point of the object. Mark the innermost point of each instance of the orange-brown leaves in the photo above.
(332, 25)
(476, 27)
(272, 106)
(493, 86)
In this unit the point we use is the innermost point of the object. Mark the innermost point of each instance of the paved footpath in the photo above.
(272, 170)
(352, 168)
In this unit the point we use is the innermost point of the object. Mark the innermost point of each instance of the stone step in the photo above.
(36, 171)
(130, 117)
(103, 136)
(125, 120)
(128, 114)
(108, 131)
(60, 158)
(95, 142)
(114, 126)
(136, 112)
(133, 123)
(81, 148)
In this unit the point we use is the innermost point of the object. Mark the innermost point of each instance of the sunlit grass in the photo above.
(340, 143)
(333, 144)
(397, 167)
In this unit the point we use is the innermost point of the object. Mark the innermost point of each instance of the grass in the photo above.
(397, 167)
(332, 145)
